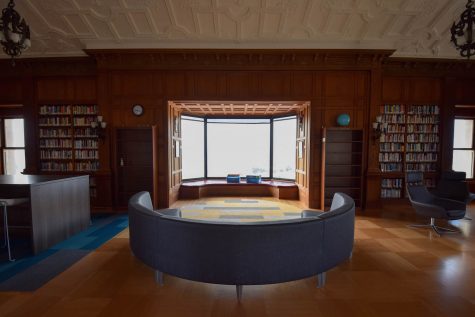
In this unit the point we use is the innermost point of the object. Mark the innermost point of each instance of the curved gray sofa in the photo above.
(241, 253)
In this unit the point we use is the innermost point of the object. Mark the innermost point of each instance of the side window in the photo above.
(13, 146)
(463, 154)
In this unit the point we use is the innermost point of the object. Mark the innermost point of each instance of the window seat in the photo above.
(219, 187)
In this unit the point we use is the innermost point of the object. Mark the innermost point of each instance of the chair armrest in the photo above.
(311, 213)
(169, 212)
(450, 204)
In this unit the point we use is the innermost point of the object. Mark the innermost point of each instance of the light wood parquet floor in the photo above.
(394, 271)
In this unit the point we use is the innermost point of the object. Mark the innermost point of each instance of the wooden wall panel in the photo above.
(302, 85)
(393, 90)
(55, 90)
(240, 84)
(85, 89)
(11, 91)
(331, 90)
(209, 84)
(275, 85)
(424, 90)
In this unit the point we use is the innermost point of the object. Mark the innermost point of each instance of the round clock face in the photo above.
(137, 110)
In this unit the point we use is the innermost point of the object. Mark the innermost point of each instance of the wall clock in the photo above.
(137, 110)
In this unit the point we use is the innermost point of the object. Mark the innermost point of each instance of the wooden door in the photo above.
(134, 163)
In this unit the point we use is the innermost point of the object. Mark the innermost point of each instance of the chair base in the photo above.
(439, 230)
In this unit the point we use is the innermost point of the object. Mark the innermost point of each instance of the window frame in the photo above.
(3, 143)
(465, 149)
(271, 141)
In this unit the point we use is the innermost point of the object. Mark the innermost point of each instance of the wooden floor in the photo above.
(394, 271)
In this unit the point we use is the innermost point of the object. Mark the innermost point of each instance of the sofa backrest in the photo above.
(240, 253)
(339, 231)
(143, 224)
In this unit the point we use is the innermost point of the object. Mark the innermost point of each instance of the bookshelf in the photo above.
(66, 140)
(409, 142)
(342, 164)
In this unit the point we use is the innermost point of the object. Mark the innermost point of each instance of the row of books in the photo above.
(422, 167)
(421, 119)
(393, 118)
(84, 121)
(422, 128)
(423, 109)
(56, 143)
(55, 121)
(392, 109)
(391, 193)
(421, 157)
(391, 147)
(55, 109)
(391, 183)
(391, 167)
(66, 133)
(66, 109)
(85, 109)
(422, 138)
(391, 138)
(56, 154)
(390, 157)
(86, 154)
(56, 166)
(423, 147)
(394, 128)
(86, 143)
(86, 166)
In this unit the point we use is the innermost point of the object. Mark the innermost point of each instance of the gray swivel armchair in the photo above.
(428, 205)
(453, 185)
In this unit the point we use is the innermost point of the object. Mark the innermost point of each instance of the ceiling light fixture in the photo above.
(14, 32)
(463, 32)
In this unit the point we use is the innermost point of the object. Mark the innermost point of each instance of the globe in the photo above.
(343, 120)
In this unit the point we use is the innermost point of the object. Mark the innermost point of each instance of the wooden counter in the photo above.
(59, 205)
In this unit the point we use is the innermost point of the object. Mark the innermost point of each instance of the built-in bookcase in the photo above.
(66, 140)
(342, 164)
(409, 142)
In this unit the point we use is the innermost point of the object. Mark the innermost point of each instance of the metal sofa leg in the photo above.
(159, 277)
(321, 279)
(239, 292)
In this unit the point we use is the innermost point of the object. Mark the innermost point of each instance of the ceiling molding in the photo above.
(239, 59)
(413, 28)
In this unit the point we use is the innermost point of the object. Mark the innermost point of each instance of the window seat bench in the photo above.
(219, 187)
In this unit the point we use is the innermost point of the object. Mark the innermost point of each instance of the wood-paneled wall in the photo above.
(332, 82)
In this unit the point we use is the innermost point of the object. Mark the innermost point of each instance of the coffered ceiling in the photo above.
(415, 28)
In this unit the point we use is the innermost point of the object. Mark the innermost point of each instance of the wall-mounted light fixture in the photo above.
(99, 125)
(379, 127)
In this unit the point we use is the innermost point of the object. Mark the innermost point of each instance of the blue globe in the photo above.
(343, 120)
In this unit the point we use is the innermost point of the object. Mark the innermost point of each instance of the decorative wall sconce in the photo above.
(99, 126)
(14, 32)
(463, 31)
(379, 127)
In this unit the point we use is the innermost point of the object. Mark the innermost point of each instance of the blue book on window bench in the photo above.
(253, 179)
(233, 178)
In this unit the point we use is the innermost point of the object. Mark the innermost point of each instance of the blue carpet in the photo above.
(28, 273)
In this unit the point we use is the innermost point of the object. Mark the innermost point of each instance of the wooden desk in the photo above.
(59, 205)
